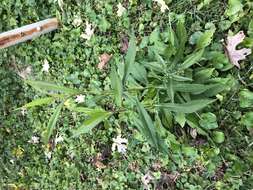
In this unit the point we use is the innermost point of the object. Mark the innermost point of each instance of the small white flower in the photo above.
(89, 31)
(23, 111)
(80, 98)
(162, 4)
(77, 21)
(11, 161)
(48, 155)
(45, 66)
(25, 73)
(120, 144)
(120, 10)
(146, 179)
(34, 140)
(58, 140)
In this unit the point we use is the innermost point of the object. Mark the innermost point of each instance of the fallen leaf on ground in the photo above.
(124, 45)
(103, 60)
(97, 161)
(233, 54)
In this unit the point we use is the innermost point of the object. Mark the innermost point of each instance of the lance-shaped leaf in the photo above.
(50, 87)
(192, 59)
(116, 84)
(188, 107)
(233, 54)
(130, 58)
(39, 102)
(52, 123)
(96, 117)
(147, 127)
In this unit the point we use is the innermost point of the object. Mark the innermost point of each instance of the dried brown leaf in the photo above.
(97, 162)
(124, 45)
(103, 60)
(193, 133)
(233, 54)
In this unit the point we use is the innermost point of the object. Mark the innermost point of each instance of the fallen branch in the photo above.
(27, 32)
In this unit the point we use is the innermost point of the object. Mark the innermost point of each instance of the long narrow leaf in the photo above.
(192, 88)
(192, 59)
(39, 102)
(49, 87)
(188, 107)
(52, 122)
(147, 124)
(130, 58)
(96, 117)
(87, 111)
(116, 86)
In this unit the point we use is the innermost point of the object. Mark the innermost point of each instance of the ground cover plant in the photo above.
(131, 94)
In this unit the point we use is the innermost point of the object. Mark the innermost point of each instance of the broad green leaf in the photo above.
(192, 59)
(205, 39)
(116, 84)
(215, 89)
(218, 136)
(180, 119)
(39, 102)
(52, 122)
(189, 151)
(167, 118)
(96, 117)
(203, 75)
(246, 98)
(130, 58)
(208, 121)
(250, 28)
(139, 73)
(247, 120)
(188, 107)
(155, 66)
(49, 87)
(234, 6)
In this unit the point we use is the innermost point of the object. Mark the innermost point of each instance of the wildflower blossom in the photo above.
(77, 21)
(58, 140)
(120, 144)
(34, 140)
(162, 4)
(45, 66)
(80, 98)
(120, 10)
(89, 31)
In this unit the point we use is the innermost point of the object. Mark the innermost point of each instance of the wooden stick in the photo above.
(27, 32)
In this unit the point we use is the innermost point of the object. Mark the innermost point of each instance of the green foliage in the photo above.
(161, 96)
(52, 123)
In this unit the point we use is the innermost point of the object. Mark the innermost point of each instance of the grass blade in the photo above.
(52, 122)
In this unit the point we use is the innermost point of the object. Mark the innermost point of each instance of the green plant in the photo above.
(165, 82)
